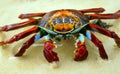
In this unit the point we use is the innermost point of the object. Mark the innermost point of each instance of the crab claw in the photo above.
(81, 53)
(48, 53)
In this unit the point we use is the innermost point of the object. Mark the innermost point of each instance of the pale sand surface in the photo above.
(33, 61)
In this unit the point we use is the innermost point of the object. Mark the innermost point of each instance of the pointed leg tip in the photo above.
(104, 56)
(118, 11)
(2, 43)
(21, 16)
(102, 9)
(118, 45)
(18, 55)
(117, 40)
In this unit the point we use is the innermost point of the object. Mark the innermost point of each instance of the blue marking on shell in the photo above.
(37, 37)
(88, 35)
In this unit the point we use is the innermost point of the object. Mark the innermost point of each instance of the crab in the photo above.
(64, 23)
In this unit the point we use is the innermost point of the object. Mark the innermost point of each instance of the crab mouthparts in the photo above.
(63, 30)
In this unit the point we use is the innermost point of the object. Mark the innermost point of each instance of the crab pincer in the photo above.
(81, 53)
(49, 54)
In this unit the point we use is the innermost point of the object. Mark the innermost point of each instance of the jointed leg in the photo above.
(20, 35)
(30, 15)
(94, 10)
(104, 16)
(107, 33)
(17, 25)
(27, 44)
(98, 43)
(49, 54)
(80, 53)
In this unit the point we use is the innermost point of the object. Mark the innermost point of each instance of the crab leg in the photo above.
(107, 33)
(27, 44)
(104, 16)
(17, 25)
(98, 43)
(49, 54)
(20, 35)
(80, 53)
(29, 15)
(95, 10)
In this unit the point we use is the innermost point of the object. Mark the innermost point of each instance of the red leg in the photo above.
(29, 15)
(98, 43)
(94, 10)
(104, 16)
(80, 53)
(26, 45)
(17, 25)
(20, 36)
(107, 33)
(49, 54)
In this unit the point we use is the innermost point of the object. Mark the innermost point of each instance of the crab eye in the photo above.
(54, 22)
(66, 20)
(71, 20)
(58, 20)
